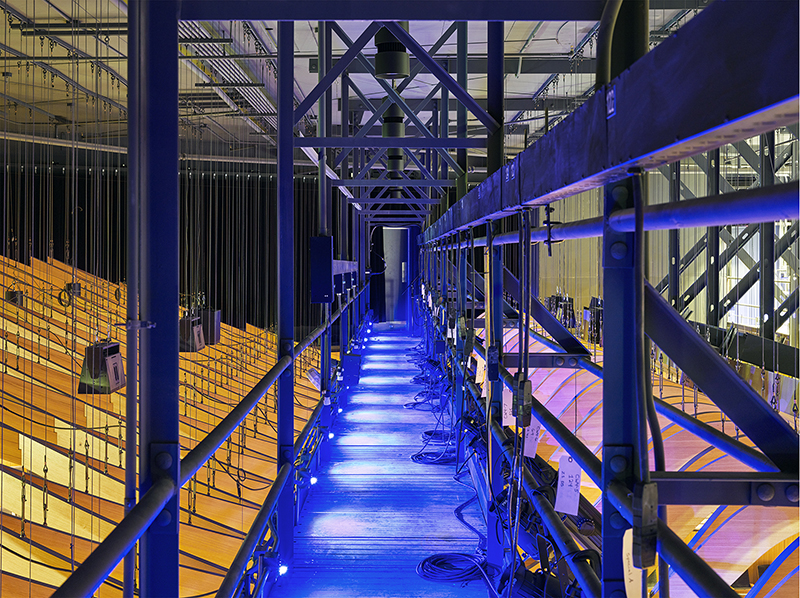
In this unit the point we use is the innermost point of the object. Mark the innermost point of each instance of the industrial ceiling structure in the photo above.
(598, 211)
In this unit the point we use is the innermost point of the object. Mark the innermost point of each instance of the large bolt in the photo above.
(765, 492)
(559, 361)
(618, 594)
(792, 493)
(163, 460)
(164, 518)
(618, 521)
(573, 362)
(619, 250)
(618, 463)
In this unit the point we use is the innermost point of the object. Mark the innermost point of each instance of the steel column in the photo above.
(132, 275)
(495, 94)
(323, 200)
(623, 370)
(766, 322)
(154, 97)
(712, 248)
(461, 111)
(674, 273)
(285, 282)
(444, 129)
(493, 293)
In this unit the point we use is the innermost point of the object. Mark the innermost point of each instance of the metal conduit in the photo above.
(85, 580)
(765, 204)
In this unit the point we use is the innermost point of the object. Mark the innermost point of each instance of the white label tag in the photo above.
(532, 434)
(568, 495)
(508, 412)
(634, 578)
(480, 373)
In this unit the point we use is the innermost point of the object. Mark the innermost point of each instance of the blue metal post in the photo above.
(623, 419)
(154, 101)
(285, 283)
(324, 217)
(495, 76)
(461, 109)
(674, 252)
(712, 248)
(493, 316)
(767, 236)
(444, 131)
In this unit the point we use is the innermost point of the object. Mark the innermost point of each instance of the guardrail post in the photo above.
(285, 286)
(154, 101)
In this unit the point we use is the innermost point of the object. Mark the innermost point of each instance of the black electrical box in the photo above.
(15, 297)
(321, 269)
(211, 322)
(351, 369)
(103, 371)
(493, 363)
(191, 333)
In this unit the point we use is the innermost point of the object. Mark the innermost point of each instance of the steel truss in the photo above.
(608, 141)
(558, 165)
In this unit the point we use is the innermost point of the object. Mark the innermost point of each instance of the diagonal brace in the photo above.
(754, 416)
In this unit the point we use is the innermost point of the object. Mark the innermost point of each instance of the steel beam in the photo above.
(154, 99)
(753, 275)
(730, 446)
(372, 183)
(328, 78)
(786, 309)
(462, 70)
(754, 416)
(430, 10)
(726, 488)
(674, 251)
(403, 142)
(495, 95)
(436, 69)
(712, 251)
(705, 68)
(285, 283)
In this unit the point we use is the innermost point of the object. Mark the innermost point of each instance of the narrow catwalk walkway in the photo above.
(375, 514)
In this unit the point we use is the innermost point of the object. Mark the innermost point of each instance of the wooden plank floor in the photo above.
(374, 514)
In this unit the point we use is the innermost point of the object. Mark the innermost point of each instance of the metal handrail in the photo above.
(697, 574)
(85, 580)
(231, 582)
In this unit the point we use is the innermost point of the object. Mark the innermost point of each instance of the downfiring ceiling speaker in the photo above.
(391, 61)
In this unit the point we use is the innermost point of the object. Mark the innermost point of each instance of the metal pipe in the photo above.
(778, 202)
(254, 535)
(203, 451)
(586, 576)
(734, 448)
(697, 574)
(605, 34)
(85, 580)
